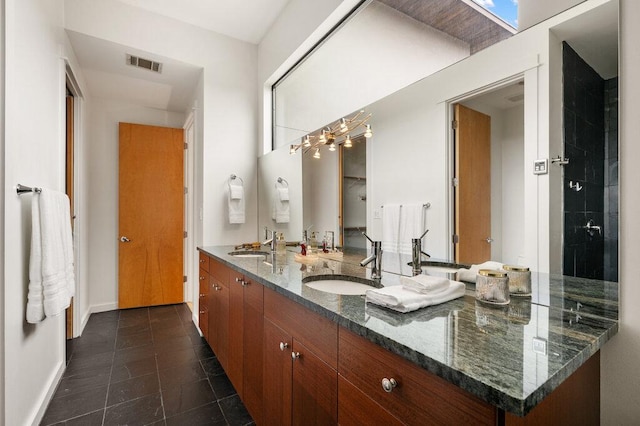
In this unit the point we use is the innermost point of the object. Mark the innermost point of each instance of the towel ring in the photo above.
(234, 177)
(283, 182)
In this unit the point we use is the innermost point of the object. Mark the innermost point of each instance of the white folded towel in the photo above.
(51, 271)
(469, 275)
(283, 193)
(400, 299)
(425, 284)
(280, 211)
(236, 192)
(236, 204)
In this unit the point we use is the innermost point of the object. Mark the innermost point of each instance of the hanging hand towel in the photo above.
(236, 204)
(400, 299)
(390, 227)
(411, 226)
(281, 212)
(51, 272)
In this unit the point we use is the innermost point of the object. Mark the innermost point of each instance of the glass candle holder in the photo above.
(492, 286)
(519, 280)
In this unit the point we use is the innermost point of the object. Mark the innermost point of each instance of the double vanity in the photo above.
(296, 354)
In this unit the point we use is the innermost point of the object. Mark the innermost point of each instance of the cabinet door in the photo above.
(277, 380)
(236, 327)
(315, 389)
(355, 408)
(203, 303)
(219, 319)
(252, 349)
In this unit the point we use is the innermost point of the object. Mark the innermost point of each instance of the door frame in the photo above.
(450, 162)
(191, 289)
(71, 83)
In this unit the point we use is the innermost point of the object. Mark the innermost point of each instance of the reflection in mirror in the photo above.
(383, 47)
(410, 159)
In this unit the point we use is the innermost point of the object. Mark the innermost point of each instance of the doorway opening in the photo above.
(487, 174)
(353, 193)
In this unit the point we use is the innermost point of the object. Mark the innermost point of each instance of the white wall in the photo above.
(531, 12)
(358, 65)
(226, 124)
(2, 185)
(320, 193)
(620, 375)
(102, 192)
(34, 155)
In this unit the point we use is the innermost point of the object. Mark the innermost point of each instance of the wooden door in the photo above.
(315, 389)
(151, 231)
(69, 177)
(277, 380)
(252, 348)
(473, 190)
(236, 327)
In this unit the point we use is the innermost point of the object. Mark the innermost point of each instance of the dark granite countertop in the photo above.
(511, 357)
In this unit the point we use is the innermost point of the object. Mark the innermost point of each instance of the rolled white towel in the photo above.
(403, 300)
(469, 275)
(283, 194)
(426, 284)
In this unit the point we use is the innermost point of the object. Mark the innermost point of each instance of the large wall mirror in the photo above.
(548, 93)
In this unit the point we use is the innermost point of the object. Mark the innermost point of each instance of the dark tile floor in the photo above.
(146, 366)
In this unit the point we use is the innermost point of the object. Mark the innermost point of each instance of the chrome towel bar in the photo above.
(22, 189)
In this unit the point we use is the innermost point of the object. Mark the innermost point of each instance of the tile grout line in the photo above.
(113, 358)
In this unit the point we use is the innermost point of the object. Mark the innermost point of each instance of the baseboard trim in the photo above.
(51, 389)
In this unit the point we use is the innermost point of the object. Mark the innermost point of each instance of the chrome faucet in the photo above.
(416, 252)
(376, 257)
(271, 241)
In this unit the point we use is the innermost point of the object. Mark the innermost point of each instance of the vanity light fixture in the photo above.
(335, 134)
(347, 142)
(368, 133)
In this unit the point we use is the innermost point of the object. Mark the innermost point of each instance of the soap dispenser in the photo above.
(313, 244)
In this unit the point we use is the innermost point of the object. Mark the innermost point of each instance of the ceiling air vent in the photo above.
(516, 98)
(147, 64)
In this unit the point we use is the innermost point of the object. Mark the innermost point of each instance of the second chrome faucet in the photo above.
(376, 257)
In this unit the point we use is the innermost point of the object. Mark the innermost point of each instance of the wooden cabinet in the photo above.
(218, 333)
(203, 303)
(245, 343)
(300, 359)
(413, 395)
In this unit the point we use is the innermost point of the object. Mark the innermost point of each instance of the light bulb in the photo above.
(332, 146)
(307, 142)
(317, 154)
(347, 142)
(343, 125)
(323, 138)
(368, 133)
(292, 150)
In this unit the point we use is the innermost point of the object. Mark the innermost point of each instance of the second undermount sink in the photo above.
(248, 253)
(337, 285)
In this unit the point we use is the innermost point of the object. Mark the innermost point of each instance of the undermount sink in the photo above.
(338, 286)
(248, 253)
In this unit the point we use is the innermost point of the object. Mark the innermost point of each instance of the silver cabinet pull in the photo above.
(389, 384)
(242, 282)
(201, 260)
(489, 240)
(283, 345)
(295, 355)
(124, 239)
(201, 278)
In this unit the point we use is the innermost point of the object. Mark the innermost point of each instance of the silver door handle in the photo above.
(489, 240)
(124, 239)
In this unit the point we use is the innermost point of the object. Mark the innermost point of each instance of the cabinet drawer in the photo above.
(419, 396)
(316, 332)
(204, 262)
(219, 271)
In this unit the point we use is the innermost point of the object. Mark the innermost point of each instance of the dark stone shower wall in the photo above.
(584, 133)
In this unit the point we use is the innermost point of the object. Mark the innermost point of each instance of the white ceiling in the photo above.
(108, 76)
(246, 20)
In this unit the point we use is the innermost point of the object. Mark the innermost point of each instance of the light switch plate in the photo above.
(540, 345)
(376, 214)
(541, 167)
